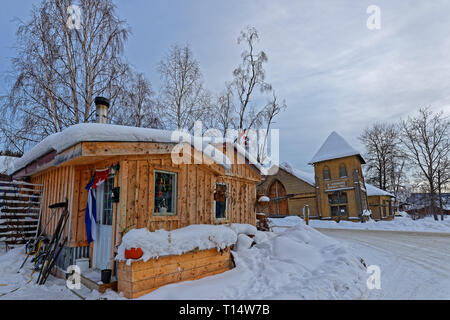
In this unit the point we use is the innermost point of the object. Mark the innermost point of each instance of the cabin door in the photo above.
(279, 202)
(102, 245)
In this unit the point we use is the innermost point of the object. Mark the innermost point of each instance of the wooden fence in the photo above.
(20, 207)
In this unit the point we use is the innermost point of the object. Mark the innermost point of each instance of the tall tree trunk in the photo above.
(440, 195)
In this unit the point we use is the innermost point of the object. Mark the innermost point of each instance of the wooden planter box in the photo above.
(140, 277)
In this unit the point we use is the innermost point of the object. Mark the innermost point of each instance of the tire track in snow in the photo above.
(415, 265)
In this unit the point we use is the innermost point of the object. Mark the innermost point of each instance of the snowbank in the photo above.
(242, 228)
(244, 242)
(22, 285)
(164, 243)
(300, 263)
(428, 224)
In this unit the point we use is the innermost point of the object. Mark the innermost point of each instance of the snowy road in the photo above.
(414, 265)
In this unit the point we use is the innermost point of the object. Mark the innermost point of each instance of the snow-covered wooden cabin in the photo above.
(144, 188)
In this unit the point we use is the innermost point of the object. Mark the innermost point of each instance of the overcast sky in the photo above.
(335, 73)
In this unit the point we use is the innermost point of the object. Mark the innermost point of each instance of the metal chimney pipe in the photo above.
(101, 112)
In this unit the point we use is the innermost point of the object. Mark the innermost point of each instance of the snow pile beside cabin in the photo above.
(300, 263)
(96, 132)
(165, 243)
(242, 228)
(22, 285)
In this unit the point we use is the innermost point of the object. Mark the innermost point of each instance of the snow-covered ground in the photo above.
(413, 265)
(428, 224)
(299, 263)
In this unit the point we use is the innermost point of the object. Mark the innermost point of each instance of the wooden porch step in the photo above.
(91, 284)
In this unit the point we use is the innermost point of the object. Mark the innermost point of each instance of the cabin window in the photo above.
(326, 173)
(384, 208)
(342, 171)
(220, 200)
(338, 203)
(104, 202)
(165, 193)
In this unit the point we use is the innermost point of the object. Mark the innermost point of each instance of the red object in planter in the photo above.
(133, 253)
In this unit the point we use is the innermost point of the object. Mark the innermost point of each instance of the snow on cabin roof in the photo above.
(374, 191)
(7, 164)
(96, 132)
(307, 177)
(335, 147)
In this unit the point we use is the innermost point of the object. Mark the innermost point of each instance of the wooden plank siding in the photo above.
(57, 184)
(195, 190)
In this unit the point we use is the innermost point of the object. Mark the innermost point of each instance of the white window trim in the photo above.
(175, 190)
(99, 199)
(226, 202)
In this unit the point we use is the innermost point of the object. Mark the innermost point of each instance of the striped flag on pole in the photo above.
(90, 217)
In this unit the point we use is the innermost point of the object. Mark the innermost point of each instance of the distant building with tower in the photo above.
(335, 191)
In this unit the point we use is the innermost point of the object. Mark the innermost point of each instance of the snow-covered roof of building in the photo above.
(307, 177)
(335, 147)
(374, 191)
(96, 132)
(7, 164)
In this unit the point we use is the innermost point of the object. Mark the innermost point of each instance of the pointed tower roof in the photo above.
(335, 147)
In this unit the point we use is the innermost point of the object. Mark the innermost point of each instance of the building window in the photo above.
(220, 200)
(104, 202)
(384, 208)
(338, 203)
(165, 193)
(342, 171)
(326, 173)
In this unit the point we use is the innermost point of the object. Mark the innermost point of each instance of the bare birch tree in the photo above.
(381, 144)
(273, 108)
(225, 110)
(182, 99)
(249, 77)
(443, 182)
(427, 144)
(137, 106)
(58, 70)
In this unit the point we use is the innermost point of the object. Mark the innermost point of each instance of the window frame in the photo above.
(226, 201)
(327, 169)
(340, 204)
(343, 166)
(100, 201)
(174, 195)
